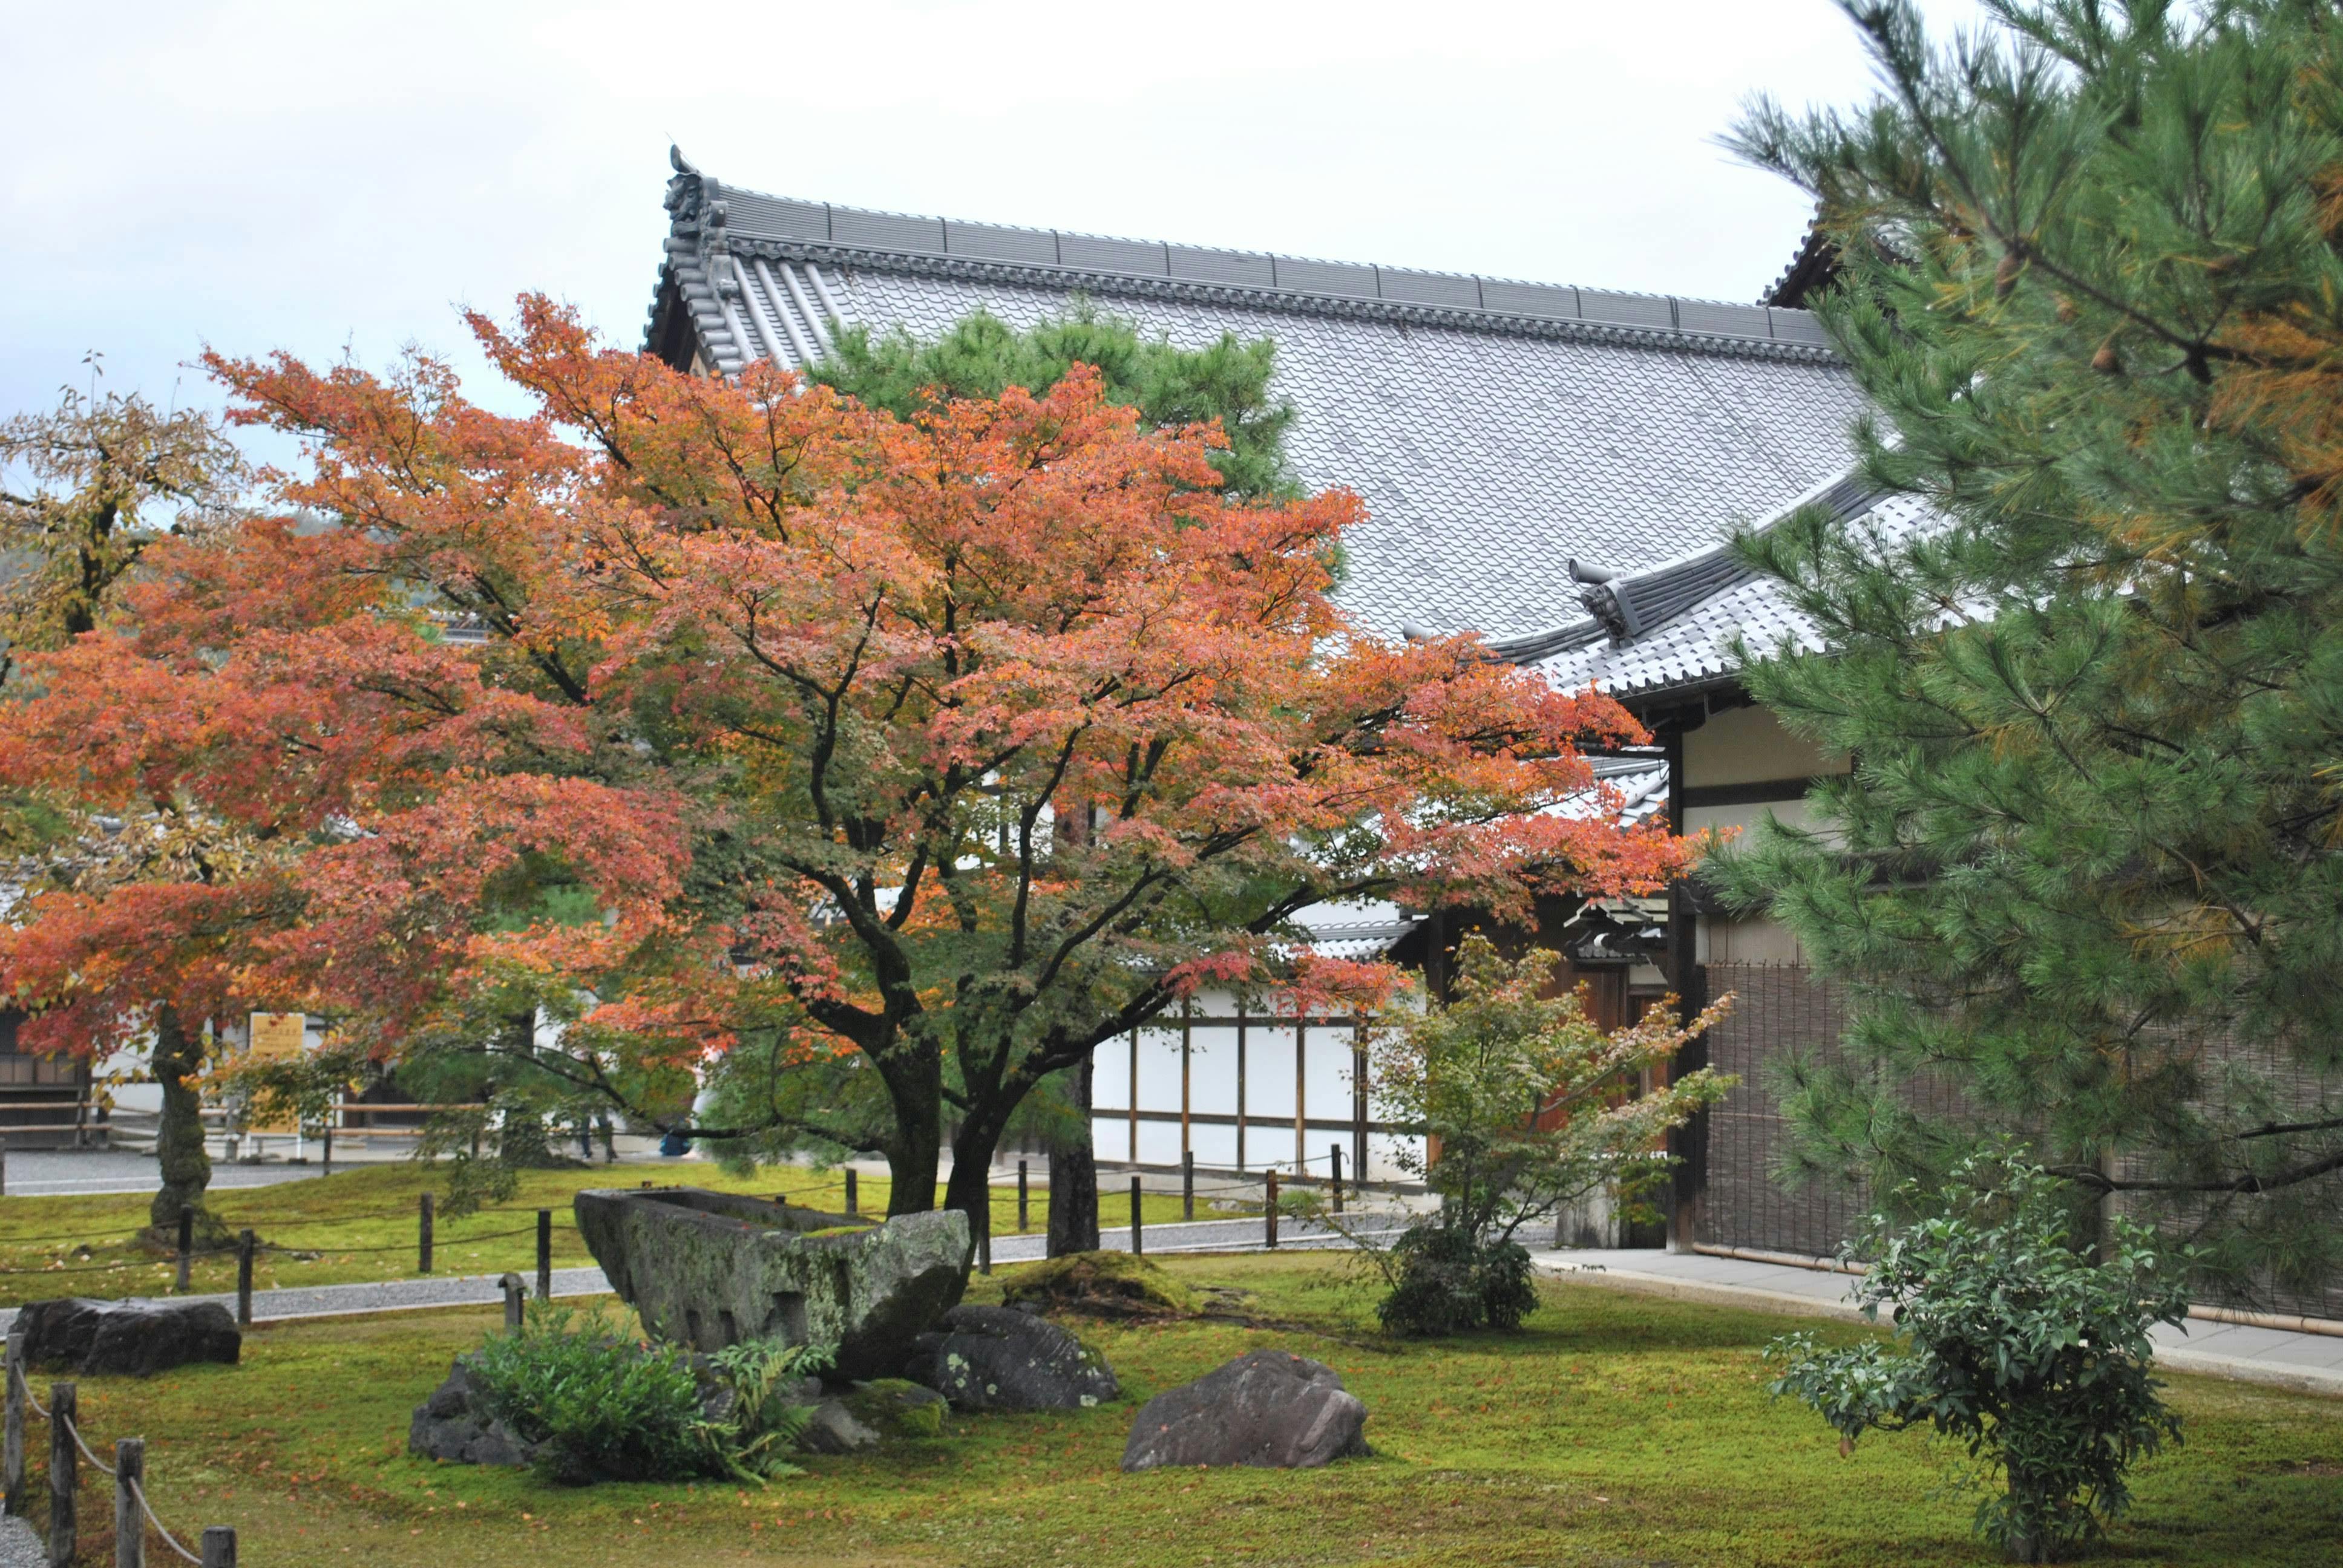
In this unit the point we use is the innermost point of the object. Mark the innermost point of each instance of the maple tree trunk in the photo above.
(179, 1135)
(916, 1145)
(1073, 1182)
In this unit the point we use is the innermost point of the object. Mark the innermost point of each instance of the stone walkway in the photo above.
(2312, 1363)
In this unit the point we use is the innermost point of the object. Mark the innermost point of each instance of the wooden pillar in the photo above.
(1688, 1143)
(64, 1474)
(1359, 1101)
(1240, 1084)
(1187, 1048)
(1300, 1097)
(1130, 1093)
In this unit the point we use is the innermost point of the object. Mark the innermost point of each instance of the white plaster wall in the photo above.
(1328, 1077)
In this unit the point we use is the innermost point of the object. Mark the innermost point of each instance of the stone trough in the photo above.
(710, 1270)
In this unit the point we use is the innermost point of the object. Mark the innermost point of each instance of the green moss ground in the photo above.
(1617, 1429)
(359, 1225)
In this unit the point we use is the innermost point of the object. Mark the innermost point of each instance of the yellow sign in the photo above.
(278, 1036)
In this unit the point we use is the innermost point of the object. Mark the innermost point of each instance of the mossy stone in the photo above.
(1116, 1280)
(897, 1408)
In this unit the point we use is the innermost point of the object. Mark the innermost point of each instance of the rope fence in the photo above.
(134, 1515)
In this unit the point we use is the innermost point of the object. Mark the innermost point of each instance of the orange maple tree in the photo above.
(957, 745)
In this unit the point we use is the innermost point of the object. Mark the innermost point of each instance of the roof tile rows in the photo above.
(1689, 649)
(1489, 442)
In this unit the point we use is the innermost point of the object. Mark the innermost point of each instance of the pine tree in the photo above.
(981, 356)
(2086, 866)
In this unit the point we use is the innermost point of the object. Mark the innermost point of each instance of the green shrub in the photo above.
(596, 1405)
(1446, 1281)
(761, 1424)
(2013, 1342)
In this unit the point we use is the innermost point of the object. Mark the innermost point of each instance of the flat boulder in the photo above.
(707, 1270)
(991, 1358)
(135, 1338)
(1270, 1409)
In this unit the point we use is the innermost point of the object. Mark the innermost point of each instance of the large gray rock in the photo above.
(135, 1338)
(710, 1270)
(834, 1429)
(1271, 1408)
(453, 1424)
(992, 1358)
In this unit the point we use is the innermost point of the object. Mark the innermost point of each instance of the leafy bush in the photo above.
(1446, 1280)
(596, 1405)
(2014, 1344)
(1531, 1105)
(759, 1424)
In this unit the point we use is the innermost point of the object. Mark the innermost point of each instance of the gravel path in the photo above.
(20, 1545)
(389, 1296)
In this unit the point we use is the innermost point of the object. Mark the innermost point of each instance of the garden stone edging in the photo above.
(996, 1358)
(1268, 1409)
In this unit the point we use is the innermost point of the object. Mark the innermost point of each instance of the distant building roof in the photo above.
(1814, 268)
(1494, 428)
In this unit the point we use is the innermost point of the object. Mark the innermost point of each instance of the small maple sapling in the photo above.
(953, 744)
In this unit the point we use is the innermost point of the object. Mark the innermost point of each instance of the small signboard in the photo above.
(279, 1036)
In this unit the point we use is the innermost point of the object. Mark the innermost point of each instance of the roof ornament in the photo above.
(682, 186)
(1599, 592)
(717, 244)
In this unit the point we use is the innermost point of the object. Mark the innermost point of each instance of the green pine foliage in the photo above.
(1171, 386)
(2086, 868)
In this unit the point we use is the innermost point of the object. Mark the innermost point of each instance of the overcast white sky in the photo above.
(259, 175)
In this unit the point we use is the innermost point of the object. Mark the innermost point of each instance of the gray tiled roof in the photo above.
(1681, 644)
(1494, 428)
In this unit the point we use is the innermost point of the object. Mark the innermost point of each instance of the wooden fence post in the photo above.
(4, 1167)
(129, 1529)
(851, 1195)
(1334, 1157)
(1188, 1184)
(1269, 1211)
(11, 1449)
(423, 1233)
(245, 1244)
(219, 1546)
(1022, 1212)
(514, 1292)
(545, 1254)
(1138, 1240)
(187, 1243)
(64, 1473)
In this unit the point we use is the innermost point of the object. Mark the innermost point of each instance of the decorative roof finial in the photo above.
(678, 161)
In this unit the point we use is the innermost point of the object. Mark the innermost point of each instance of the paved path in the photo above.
(389, 1296)
(89, 1173)
(2300, 1360)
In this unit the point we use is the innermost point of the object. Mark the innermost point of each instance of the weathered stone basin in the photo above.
(709, 1269)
